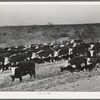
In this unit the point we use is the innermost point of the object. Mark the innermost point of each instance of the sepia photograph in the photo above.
(50, 48)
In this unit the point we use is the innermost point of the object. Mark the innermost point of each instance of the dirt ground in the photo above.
(49, 78)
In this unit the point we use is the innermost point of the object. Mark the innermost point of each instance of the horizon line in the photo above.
(46, 24)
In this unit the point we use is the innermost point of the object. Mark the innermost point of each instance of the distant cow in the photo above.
(80, 49)
(95, 61)
(4, 61)
(46, 55)
(23, 68)
(17, 58)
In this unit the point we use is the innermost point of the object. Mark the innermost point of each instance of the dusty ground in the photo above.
(49, 78)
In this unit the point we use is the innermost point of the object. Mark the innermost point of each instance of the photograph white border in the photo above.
(49, 95)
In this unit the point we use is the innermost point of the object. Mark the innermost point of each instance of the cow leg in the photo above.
(78, 68)
(3, 68)
(13, 78)
(34, 74)
(20, 78)
(7, 67)
(72, 69)
(30, 73)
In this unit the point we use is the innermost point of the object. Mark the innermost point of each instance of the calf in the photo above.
(23, 68)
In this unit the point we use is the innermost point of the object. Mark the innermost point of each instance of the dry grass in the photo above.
(49, 78)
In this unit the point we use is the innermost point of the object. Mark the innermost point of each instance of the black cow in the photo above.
(15, 59)
(24, 68)
(38, 60)
(79, 50)
(95, 61)
(46, 55)
(63, 51)
(1, 62)
(76, 63)
(96, 48)
(4, 61)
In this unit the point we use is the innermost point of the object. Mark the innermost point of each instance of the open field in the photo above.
(49, 78)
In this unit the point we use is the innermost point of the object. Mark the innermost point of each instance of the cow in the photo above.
(96, 48)
(46, 55)
(1, 62)
(76, 63)
(23, 68)
(80, 49)
(15, 58)
(4, 61)
(38, 60)
(95, 61)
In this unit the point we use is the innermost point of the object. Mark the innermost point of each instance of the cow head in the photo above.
(56, 53)
(72, 41)
(37, 47)
(92, 53)
(91, 46)
(28, 58)
(74, 45)
(88, 61)
(67, 63)
(62, 45)
(6, 61)
(70, 51)
(13, 70)
(33, 55)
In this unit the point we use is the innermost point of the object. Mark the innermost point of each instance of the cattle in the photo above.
(74, 51)
(76, 63)
(56, 56)
(14, 59)
(1, 62)
(4, 61)
(80, 49)
(63, 51)
(46, 55)
(96, 48)
(23, 68)
(45, 46)
(95, 61)
(38, 60)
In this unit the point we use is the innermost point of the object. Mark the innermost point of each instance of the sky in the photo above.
(43, 14)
